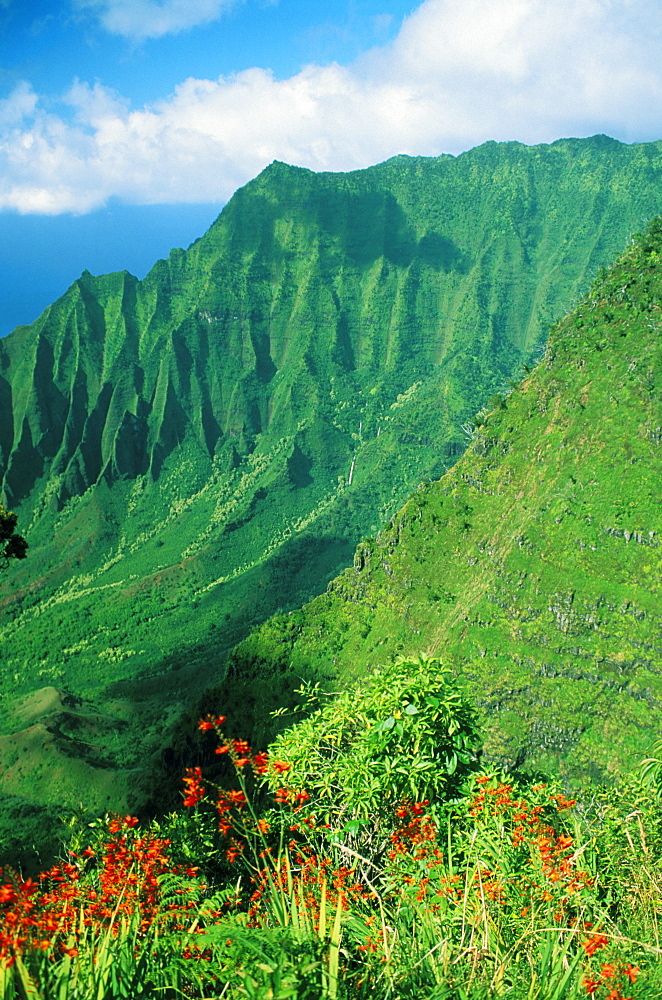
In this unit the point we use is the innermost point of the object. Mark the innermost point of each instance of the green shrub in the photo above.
(405, 732)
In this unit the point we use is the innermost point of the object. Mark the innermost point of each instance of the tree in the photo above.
(12, 545)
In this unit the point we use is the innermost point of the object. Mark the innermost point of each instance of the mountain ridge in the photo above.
(532, 567)
(191, 451)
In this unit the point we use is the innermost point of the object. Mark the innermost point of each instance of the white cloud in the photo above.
(15, 108)
(141, 19)
(460, 72)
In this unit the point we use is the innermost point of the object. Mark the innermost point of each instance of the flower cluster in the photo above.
(416, 835)
(232, 805)
(122, 880)
(464, 876)
(552, 872)
(308, 878)
(608, 982)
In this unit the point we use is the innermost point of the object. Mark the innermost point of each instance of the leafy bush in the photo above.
(405, 732)
(12, 545)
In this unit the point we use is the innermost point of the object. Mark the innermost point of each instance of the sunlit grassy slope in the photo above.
(533, 567)
(191, 452)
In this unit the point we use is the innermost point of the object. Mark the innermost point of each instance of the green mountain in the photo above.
(189, 453)
(533, 567)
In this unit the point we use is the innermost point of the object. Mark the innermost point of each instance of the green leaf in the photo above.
(353, 826)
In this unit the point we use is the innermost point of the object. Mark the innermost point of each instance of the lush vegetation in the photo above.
(189, 453)
(533, 566)
(473, 884)
(12, 545)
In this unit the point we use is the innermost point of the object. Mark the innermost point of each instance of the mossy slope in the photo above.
(533, 567)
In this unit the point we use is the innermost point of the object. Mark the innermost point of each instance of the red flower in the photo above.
(237, 798)
(631, 971)
(211, 722)
(280, 766)
(594, 943)
(193, 790)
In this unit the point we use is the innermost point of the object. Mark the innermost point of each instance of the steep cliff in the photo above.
(191, 452)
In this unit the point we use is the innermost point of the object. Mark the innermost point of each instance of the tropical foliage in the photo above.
(12, 545)
(194, 451)
(507, 889)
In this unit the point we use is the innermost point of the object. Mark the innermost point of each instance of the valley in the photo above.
(195, 452)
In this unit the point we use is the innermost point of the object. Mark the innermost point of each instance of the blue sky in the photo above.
(125, 125)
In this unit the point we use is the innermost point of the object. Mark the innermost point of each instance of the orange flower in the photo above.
(211, 722)
(631, 971)
(193, 789)
(608, 970)
(594, 943)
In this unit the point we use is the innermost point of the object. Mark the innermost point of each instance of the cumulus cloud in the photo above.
(141, 19)
(459, 72)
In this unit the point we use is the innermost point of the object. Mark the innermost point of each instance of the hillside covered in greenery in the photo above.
(532, 567)
(189, 453)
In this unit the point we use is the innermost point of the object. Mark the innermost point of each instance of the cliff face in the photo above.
(191, 452)
(533, 567)
(414, 265)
